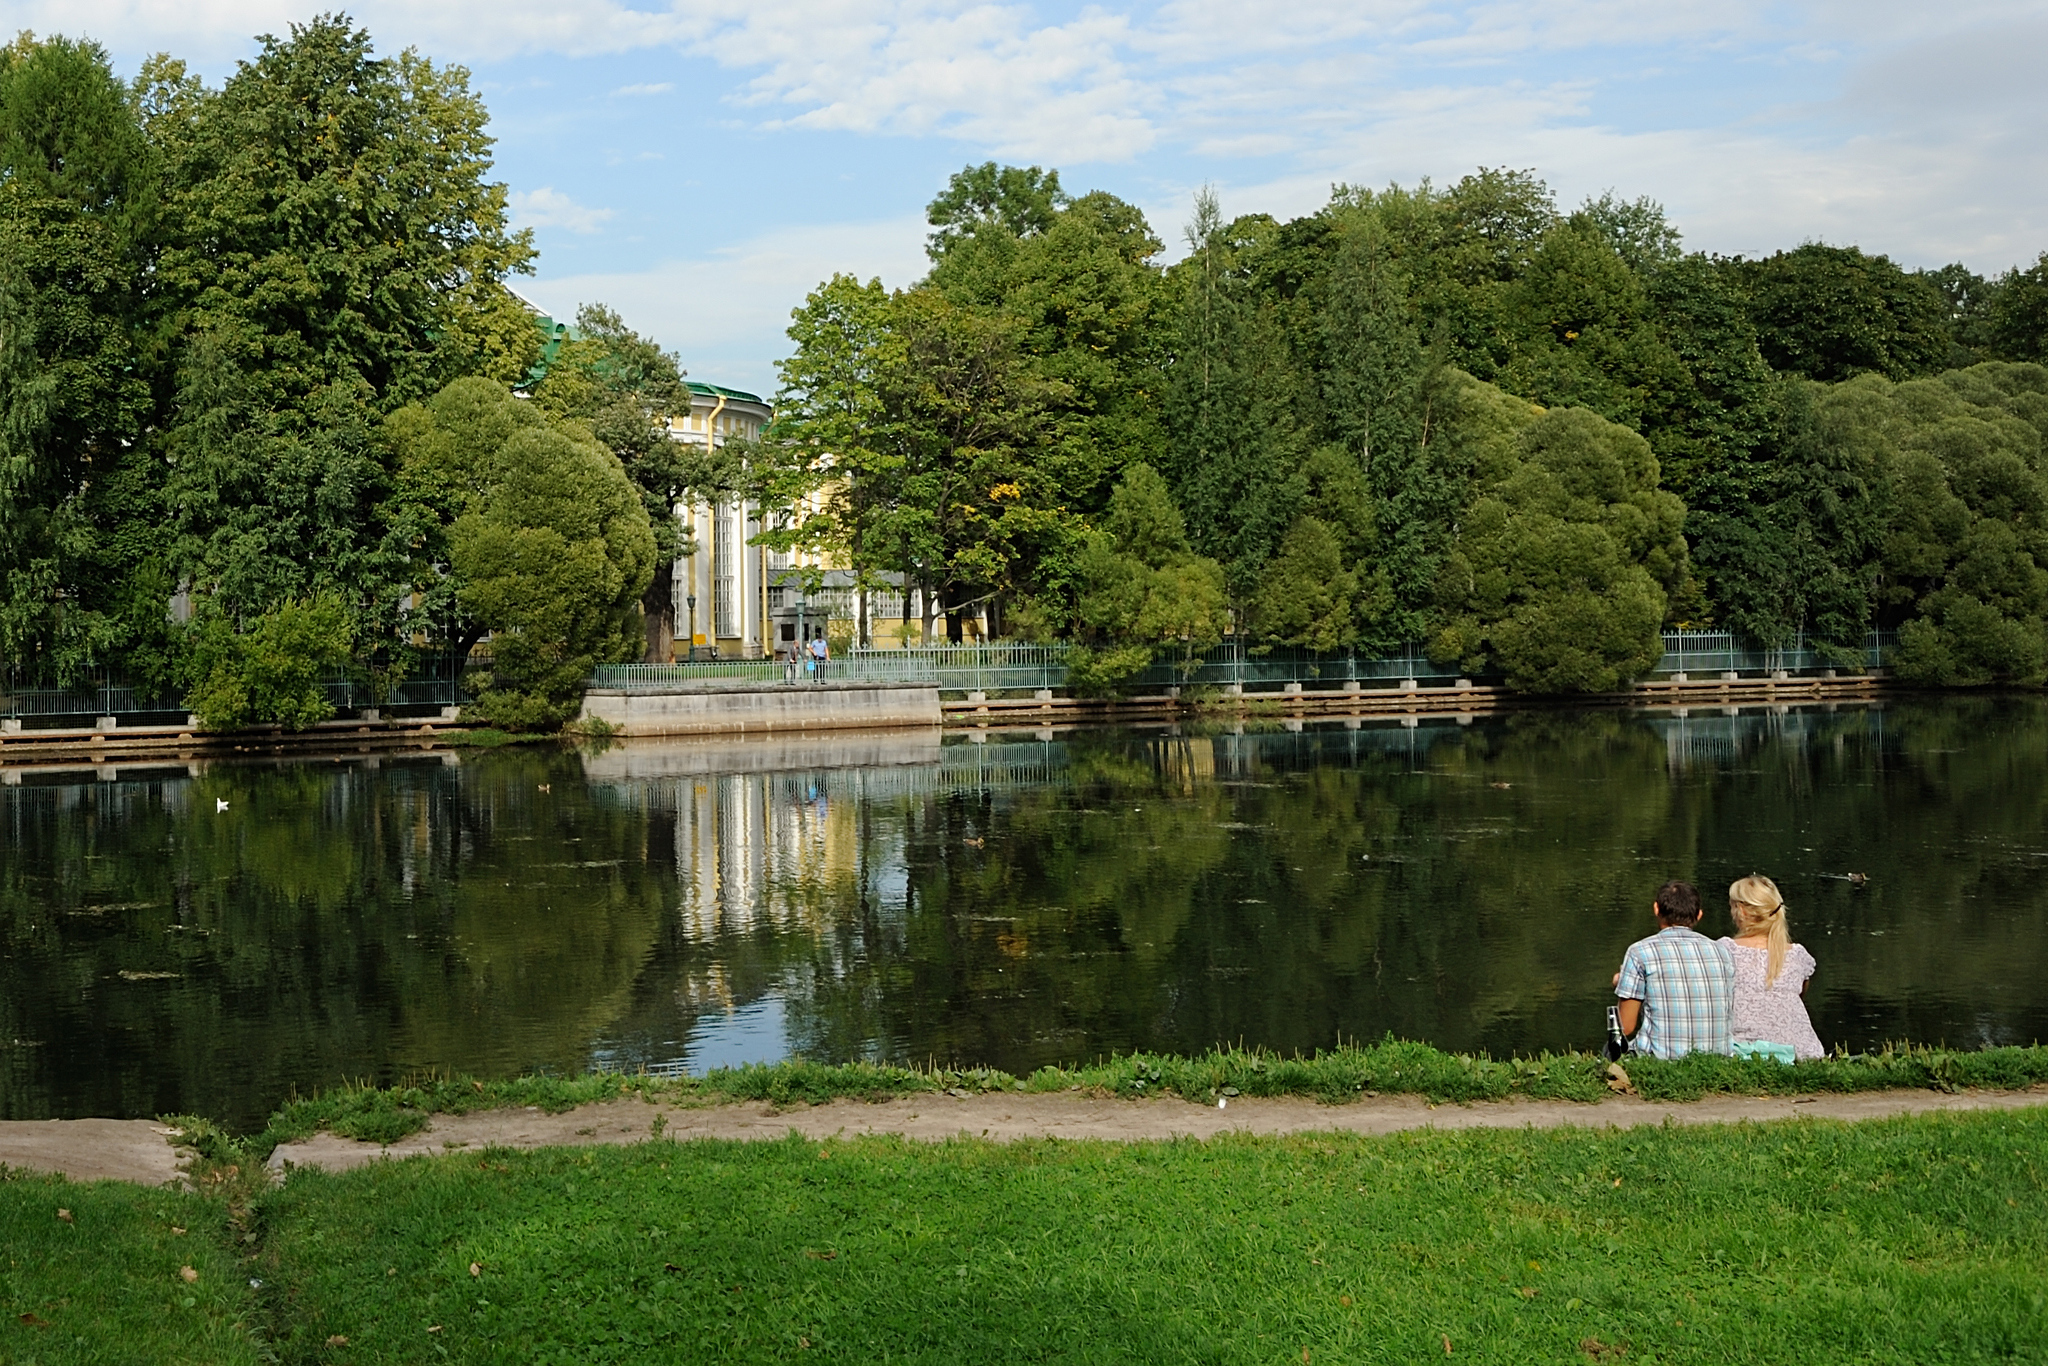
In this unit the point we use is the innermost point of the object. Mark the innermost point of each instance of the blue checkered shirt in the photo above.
(1686, 983)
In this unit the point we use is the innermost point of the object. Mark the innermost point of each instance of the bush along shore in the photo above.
(1334, 1076)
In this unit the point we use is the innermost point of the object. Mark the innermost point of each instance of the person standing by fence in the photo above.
(821, 653)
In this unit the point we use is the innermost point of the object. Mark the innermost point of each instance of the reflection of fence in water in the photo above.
(1715, 739)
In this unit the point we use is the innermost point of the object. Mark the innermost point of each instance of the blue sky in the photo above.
(702, 164)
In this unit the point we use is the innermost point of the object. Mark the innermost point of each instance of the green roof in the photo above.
(719, 391)
(554, 333)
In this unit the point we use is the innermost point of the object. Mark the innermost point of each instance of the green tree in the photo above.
(552, 559)
(1788, 535)
(1018, 201)
(269, 671)
(1308, 594)
(1963, 566)
(1143, 589)
(1969, 300)
(625, 388)
(1090, 304)
(1584, 334)
(332, 250)
(449, 453)
(1235, 400)
(832, 433)
(1636, 229)
(1830, 313)
(82, 580)
(330, 220)
(2016, 327)
(964, 503)
(1566, 555)
(1706, 427)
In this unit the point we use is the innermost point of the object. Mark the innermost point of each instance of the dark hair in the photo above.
(1678, 903)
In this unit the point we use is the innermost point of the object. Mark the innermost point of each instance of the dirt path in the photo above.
(139, 1150)
(1005, 1117)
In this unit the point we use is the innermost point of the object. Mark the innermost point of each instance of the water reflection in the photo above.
(1011, 898)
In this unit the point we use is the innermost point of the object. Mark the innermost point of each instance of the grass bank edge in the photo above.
(1333, 1076)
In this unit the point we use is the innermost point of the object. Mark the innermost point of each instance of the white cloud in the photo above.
(656, 88)
(1909, 127)
(211, 33)
(725, 312)
(550, 208)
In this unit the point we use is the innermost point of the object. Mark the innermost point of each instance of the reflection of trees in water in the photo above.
(1018, 901)
(335, 922)
(1473, 885)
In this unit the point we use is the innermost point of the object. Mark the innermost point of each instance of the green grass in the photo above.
(1335, 1076)
(105, 1286)
(1914, 1240)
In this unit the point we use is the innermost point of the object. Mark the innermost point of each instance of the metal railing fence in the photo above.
(1011, 667)
(435, 682)
(994, 667)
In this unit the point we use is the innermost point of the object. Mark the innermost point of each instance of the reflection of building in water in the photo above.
(772, 850)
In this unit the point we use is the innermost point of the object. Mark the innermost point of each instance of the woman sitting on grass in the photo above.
(1770, 1017)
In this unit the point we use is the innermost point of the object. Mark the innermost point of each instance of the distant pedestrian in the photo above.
(1771, 973)
(820, 654)
(1677, 988)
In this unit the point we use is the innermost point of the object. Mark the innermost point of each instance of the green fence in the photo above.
(1006, 667)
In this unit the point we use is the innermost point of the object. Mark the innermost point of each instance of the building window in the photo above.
(776, 597)
(725, 618)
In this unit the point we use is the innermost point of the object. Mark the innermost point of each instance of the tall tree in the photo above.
(333, 250)
(1831, 313)
(916, 421)
(81, 577)
(1018, 201)
(2016, 327)
(1234, 405)
(1144, 591)
(625, 388)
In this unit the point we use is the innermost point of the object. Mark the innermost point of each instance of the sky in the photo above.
(701, 165)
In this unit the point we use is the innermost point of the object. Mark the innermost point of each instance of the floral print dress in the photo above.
(1773, 1013)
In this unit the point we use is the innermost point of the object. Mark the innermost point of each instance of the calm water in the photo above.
(1029, 899)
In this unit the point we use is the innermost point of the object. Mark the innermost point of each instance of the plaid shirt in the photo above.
(1686, 983)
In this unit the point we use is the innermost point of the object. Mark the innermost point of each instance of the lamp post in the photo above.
(691, 653)
(803, 643)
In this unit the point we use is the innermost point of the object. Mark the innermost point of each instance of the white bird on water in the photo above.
(220, 804)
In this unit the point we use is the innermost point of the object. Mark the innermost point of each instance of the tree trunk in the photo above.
(659, 606)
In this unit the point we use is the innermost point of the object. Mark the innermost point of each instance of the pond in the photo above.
(210, 938)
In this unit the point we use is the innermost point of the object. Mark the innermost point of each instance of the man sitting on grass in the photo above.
(1677, 988)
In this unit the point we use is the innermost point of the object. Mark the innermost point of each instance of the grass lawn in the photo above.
(106, 1283)
(1911, 1240)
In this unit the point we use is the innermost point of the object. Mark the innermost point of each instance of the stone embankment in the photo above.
(744, 708)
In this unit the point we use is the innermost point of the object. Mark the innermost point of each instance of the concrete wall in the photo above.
(745, 708)
(763, 752)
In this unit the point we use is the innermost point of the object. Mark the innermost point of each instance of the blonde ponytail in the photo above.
(1755, 904)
